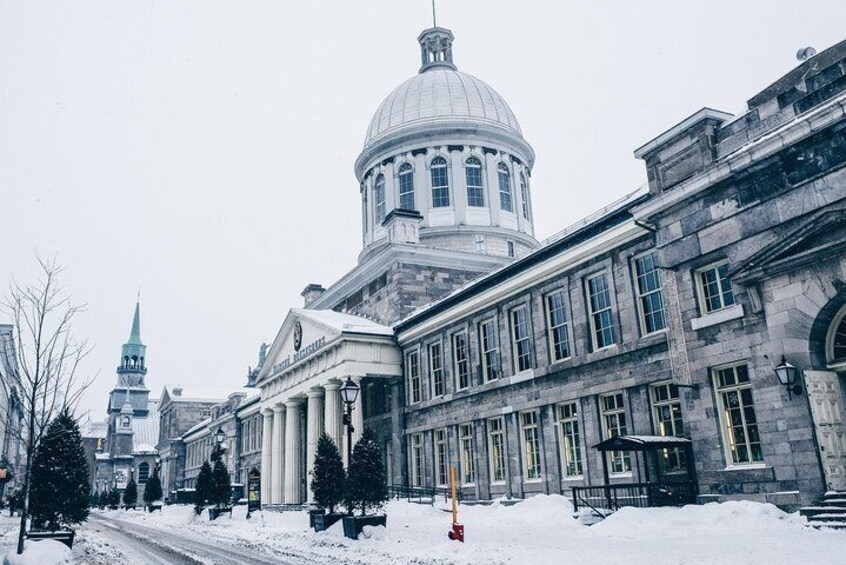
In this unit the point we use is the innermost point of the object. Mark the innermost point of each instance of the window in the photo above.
(436, 369)
(520, 340)
(440, 183)
(377, 284)
(648, 283)
(599, 306)
(416, 460)
(737, 415)
(531, 445)
(568, 427)
(505, 200)
(524, 194)
(510, 248)
(475, 190)
(379, 199)
(406, 187)
(462, 360)
(143, 473)
(467, 456)
(441, 465)
(715, 291)
(354, 299)
(489, 349)
(414, 376)
(666, 409)
(557, 325)
(614, 424)
(496, 449)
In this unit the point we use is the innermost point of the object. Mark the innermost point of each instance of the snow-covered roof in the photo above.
(344, 322)
(197, 427)
(145, 430)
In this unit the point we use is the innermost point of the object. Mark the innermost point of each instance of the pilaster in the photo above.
(277, 454)
(292, 452)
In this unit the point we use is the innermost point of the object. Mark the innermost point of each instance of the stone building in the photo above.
(12, 458)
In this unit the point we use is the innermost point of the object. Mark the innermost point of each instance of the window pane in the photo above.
(505, 200)
(406, 187)
(440, 183)
(475, 191)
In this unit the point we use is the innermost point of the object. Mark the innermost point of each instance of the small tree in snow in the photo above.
(130, 495)
(114, 498)
(327, 483)
(203, 488)
(221, 492)
(153, 488)
(103, 499)
(366, 488)
(59, 489)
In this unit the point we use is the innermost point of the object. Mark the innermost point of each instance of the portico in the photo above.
(313, 353)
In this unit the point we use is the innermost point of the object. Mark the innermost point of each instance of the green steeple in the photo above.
(135, 334)
(133, 351)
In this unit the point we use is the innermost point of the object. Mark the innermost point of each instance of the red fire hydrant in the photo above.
(457, 533)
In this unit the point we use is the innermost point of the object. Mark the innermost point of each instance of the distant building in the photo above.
(12, 458)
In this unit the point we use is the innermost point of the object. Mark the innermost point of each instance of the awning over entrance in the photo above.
(641, 443)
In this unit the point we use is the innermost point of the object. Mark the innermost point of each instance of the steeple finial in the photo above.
(135, 334)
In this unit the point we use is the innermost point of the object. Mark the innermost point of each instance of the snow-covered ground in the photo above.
(539, 530)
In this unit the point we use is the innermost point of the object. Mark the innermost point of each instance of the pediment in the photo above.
(820, 237)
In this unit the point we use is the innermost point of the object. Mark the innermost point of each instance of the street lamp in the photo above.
(349, 393)
(217, 452)
(787, 374)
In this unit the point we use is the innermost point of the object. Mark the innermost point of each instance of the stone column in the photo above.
(292, 452)
(266, 454)
(277, 454)
(332, 407)
(314, 429)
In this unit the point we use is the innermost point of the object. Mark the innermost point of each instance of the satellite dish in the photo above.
(805, 53)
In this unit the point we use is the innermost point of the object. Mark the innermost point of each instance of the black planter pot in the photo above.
(323, 522)
(353, 525)
(311, 515)
(63, 536)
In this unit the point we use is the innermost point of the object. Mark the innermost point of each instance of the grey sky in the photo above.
(204, 150)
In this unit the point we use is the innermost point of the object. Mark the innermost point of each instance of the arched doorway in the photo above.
(826, 396)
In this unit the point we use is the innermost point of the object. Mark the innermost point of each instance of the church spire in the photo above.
(133, 353)
(135, 333)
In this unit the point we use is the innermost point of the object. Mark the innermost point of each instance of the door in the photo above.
(826, 398)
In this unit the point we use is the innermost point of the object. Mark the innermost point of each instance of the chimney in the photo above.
(311, 293)
(177, 391)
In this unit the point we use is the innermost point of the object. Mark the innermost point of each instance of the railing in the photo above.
(422, 495)
(640, 495)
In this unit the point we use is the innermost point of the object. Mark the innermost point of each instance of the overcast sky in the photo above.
(203, 150)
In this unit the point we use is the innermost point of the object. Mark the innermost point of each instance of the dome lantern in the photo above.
(436, 49)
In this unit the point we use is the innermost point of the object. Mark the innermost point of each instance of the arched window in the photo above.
(440, 183)
(524, 194)
(505, 200)
(379, 198)
(837, 339)
(475, 190)
(143, 472)
(406, 187)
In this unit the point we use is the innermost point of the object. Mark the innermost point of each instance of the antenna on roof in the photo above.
(803, 54)
(434, 16)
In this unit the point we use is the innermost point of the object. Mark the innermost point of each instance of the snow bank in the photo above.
(44, 552)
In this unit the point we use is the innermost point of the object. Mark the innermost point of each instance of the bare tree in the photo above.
(48, 360)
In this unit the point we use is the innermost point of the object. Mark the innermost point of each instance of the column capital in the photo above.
(278, 408)
(315, 393)
(267, 411)
(293, 403)
(332, 386)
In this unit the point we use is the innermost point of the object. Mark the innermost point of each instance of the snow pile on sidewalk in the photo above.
(539, 530)
(44, 552)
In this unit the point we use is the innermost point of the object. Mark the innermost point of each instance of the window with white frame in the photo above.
(496, 449)
(467, 455)
(715, 292)
(520, 339)
(614, 425)
(379, 199)
(557, 325)
(406, 187)
(510, 248)
(489, 349)
(461, 360)
(440, 183)
(505, 199)
(436, 369)
(531, 445)
(414, 389)
(568, 428)
(667, 414)
(648, 287)
(475, 189)
(441, 462)
(524, 194)
(741, 438)
(599, 311)
(416, 454)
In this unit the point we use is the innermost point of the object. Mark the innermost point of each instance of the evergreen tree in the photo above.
(114, 498)
(59, 489)
(153, 488)
(94, 501)
(221, 487)
(104, 499)
(327, 483)
(203, 488)
(366, 488)
(130, 495)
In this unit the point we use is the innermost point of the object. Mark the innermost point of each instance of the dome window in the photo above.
(440, 183)
(406, 188)
(475, 190)
(524, 194)
(379, 198)
(506, 201)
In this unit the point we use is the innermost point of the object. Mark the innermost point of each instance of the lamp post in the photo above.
(219, 436)
(349, 393)
(787, 374)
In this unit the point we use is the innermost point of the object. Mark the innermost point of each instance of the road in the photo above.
(106, 541)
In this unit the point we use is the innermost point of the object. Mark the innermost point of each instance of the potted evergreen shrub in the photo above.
(130, 495)
(221, 490)
(366, 489)
(202, 490)
(327, 484)
(114, 499)
(153, 491)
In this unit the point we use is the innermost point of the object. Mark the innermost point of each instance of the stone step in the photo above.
(839, 517)
(831, 525)
(833, 494)
(834, 502)
(812, 511)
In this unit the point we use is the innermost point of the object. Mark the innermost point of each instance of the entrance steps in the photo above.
(830, 512)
